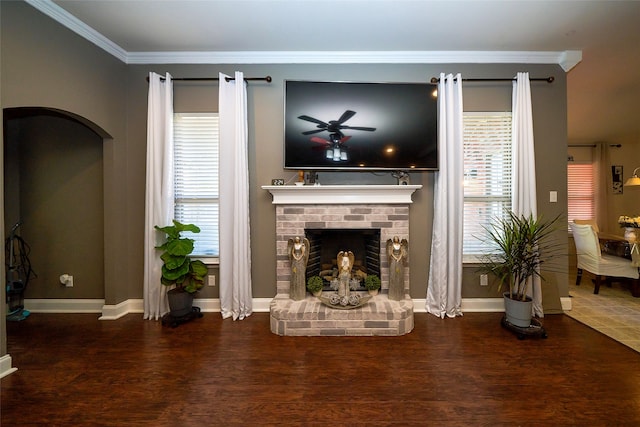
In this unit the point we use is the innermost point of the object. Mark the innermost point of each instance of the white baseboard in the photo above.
(482, 305)
(58, 305)
(469, 305)
(206, 305)
(212, 305)
(114, 312)
(5, 366)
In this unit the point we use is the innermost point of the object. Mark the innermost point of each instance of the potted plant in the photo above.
(372, 283)
(315, 285)
(520, 245)
(186, 275)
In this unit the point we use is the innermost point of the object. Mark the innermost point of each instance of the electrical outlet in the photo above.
(211, 280)
(484, 280)
(67, 280)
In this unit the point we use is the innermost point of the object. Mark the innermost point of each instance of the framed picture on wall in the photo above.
(616, 179)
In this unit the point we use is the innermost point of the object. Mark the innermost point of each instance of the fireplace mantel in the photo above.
(341, 194)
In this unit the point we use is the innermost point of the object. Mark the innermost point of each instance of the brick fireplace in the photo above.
(337, 207)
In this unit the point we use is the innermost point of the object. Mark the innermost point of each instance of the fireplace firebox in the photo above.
(326, 243)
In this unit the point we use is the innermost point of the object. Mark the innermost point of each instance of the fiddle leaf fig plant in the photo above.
(179, 269)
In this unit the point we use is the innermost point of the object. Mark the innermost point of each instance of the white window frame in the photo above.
(196, 183)
(487, 177)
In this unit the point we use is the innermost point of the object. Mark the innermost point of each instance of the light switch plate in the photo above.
(484, 280)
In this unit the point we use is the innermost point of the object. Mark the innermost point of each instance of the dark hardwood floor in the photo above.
(75, 370)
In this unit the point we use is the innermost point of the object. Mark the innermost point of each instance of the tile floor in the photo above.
(614, 312)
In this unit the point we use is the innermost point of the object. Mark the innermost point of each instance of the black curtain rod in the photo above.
(593, 145)
(209, 79)
(549, 79)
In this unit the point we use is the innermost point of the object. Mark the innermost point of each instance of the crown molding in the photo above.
(566, 59)
(569, 59)
(60, 15)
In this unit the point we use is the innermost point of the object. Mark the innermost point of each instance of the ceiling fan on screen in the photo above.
(334, 146)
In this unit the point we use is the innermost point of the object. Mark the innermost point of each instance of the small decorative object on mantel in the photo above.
(397, 251)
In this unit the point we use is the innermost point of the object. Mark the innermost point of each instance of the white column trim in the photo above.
(5, 366)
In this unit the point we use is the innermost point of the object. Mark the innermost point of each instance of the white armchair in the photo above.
(590, 258)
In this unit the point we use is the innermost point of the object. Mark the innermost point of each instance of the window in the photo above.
(196, 177)
(487, 177)
(580, 191)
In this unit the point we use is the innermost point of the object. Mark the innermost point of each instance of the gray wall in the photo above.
(266, 134)
(44, 64)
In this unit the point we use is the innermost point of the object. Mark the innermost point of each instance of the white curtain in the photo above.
(524, 166)
(444, 291)
(159, 189)
(235, 244)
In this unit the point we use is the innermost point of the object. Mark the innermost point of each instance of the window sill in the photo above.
(471, 260)
(208, 260)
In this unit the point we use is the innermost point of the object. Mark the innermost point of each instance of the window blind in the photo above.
(196, 156)
(487, 176)
(580, 191)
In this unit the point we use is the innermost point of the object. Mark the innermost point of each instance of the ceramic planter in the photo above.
(517, 312)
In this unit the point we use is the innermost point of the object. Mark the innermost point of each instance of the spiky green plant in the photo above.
(523, 244)
(178, 268)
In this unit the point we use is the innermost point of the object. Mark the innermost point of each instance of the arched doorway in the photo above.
(53, 165)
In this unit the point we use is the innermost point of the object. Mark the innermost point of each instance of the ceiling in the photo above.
(603, 87)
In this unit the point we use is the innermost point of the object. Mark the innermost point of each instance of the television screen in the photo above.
(360, 126)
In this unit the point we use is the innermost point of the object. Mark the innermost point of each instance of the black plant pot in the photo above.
(180, 302)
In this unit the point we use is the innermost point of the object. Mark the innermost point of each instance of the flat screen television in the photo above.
(360, 126)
